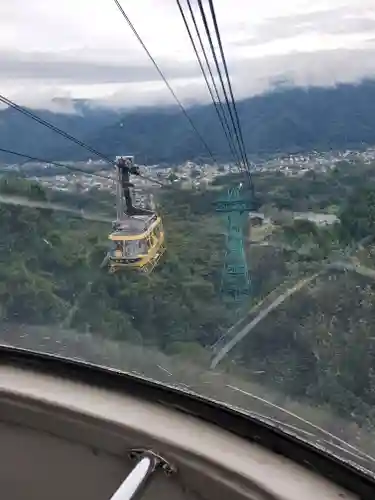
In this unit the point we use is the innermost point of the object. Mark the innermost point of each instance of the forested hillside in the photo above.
(317, 346)
(286, 120)
(49, 259)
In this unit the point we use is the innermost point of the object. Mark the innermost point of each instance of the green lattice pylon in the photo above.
(235, 282)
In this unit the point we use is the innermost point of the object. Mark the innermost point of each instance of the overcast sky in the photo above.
(84, 48)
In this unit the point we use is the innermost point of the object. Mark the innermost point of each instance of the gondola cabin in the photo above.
(138, 235)
(138, 243)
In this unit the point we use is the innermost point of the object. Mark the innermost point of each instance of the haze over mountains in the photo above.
(284, 120)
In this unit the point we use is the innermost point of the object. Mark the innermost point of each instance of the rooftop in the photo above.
(135, 224)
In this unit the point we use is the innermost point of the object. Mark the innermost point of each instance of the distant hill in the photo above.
(284, 120)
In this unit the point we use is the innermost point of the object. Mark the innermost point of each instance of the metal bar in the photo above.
(119, 198)
(134, 483)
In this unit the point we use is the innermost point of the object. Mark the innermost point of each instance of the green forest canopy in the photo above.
(310, 348)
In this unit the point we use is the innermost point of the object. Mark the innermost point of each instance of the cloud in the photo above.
(84, 49)
(332, 22)
(78, 69)
(255, 76)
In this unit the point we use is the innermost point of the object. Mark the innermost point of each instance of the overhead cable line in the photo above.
(213, 14)
(208, 32)
(217, 104)
(81, 170)
(244, 164)
(57, 164)
(45, 123)
(235, 123)
(212, 78)
(155, 181)
(13, 105)
(208, 149)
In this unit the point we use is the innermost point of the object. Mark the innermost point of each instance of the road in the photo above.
(18, 200)
(239, 331)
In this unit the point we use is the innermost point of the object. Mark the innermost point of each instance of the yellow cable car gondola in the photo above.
(138, 235)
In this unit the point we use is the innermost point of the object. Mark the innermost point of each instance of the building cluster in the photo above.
(80, 178)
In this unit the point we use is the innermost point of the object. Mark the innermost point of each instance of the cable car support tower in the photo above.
(235, 283)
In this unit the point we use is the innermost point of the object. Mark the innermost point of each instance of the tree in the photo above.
(358, 216)
(195, 173)
(172, 177)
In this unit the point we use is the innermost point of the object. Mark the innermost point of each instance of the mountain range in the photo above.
(286, 120)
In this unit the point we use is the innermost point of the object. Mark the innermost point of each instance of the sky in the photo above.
(84, 49)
